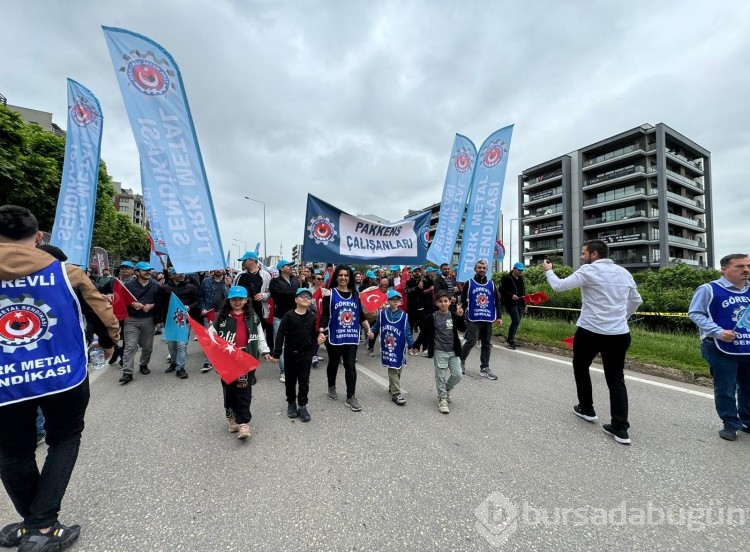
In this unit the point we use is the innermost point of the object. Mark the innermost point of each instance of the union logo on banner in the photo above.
(148, 76)
(493, 153)
(424, 236)
(23, 322)
(463, 160)
(321, 230)
(180, 318)
(82, 113)
(483, 300)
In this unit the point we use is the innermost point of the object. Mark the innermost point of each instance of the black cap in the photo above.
(53, 250)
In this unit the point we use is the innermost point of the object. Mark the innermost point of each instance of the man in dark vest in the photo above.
(43, 360)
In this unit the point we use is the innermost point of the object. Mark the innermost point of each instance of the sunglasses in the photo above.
(319, 277)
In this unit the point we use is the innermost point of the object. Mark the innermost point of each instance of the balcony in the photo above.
(614, 239)
(613, 154)
(685, 220)
(541, 230)
(627, 171)
(543, 178)
(545, 211)
(696, 164)
(678, 260)
(687, 241)
(617, 194)
(544, 194)
(545, 248)
(684, 179)
(613, 218)
(686, 200)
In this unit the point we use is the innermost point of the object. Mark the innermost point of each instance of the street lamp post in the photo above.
(244, 244)
(510, 247)
(265, 248)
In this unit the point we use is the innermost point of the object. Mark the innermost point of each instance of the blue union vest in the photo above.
(481, 301)
(726, 309)
(393, 339)
(343, 326)
(42, 340)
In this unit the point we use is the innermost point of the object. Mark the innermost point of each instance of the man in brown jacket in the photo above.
(43, 364)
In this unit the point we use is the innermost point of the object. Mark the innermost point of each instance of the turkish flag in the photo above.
(536, 298)
(230, 362)
(569, 341)
(121, 298)
(372, 299)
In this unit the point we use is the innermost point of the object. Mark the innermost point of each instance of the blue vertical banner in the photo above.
(483, 211)
(171, 164)
(76, 204)
(453, 203)
(159, 251)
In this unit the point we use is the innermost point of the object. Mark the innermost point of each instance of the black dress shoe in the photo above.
(127, 377)
(172, 368)
(144, 370)
(115, 355)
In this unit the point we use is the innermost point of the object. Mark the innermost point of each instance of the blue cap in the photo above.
(430, 269)
(282, 263)
(370, 274)
(237, 291)
(393, 294)
(143, 265)
(395, 267)
(300, 291)
(249, 255)
(126, 264)
(519, 266)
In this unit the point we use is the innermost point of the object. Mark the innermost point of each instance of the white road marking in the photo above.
(631, 378)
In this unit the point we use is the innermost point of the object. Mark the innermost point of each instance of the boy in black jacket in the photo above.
(295, 339)
(440, 337)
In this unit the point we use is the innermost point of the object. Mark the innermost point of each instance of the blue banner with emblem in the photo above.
(171, 164)
(333, 236)
(42, 341)
(76, 204)
(483, 211)
(176, 325)
(453, 203)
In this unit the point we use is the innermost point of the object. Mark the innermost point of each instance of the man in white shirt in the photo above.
(609, 296)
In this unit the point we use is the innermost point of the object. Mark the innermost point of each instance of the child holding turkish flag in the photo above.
(238, 324)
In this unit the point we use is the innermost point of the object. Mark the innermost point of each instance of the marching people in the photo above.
(317, 290)
(295, 337)
(341, 320)
(237, 323)
(445, 281)
(188, 295)
(256, 281)
(395, 340)
(481, 304)
(440, 339)
(48, 285)
(282, 288)
(140, 325)
(608, 298)
(418, 288)
(725, 341)
(512, 291)
(213, 290)
(372, 318)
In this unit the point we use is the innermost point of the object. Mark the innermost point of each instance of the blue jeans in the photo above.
(447, 372)
(731, 384)
(276, 324)
(178, 353)
(515, 313)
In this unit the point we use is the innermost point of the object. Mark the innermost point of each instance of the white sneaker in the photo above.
(282, 378)
(443, 406)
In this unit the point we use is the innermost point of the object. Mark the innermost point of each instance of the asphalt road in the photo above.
(510, 468)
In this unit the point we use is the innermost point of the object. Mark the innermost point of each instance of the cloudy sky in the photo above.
(358, 102)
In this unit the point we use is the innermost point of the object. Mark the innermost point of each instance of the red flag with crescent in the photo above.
(230, 362)
(372, 299)
(121, 298)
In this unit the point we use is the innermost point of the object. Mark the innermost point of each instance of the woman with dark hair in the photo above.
(341, 319)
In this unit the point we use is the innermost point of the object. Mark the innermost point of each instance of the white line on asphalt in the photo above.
(632, 378)
(373, 376)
